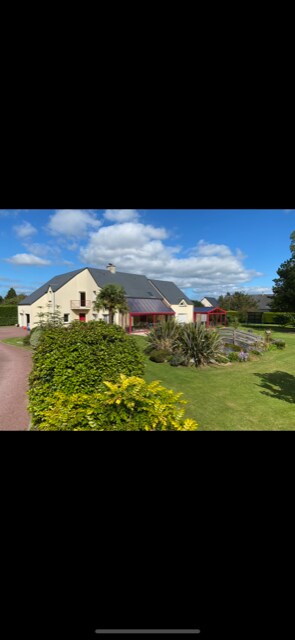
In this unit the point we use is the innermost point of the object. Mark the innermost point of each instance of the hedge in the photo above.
(78, 359)
(8, 315)
(269, 317)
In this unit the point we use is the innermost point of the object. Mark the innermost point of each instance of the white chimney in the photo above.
(111, 267)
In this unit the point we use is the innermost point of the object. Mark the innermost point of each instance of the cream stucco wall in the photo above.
(183, 309)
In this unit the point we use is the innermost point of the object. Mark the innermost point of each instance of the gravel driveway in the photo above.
(15, 366)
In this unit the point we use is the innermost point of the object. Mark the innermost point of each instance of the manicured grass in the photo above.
(258, 395)
(17, 342)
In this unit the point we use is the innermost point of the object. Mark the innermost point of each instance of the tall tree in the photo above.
(10, 294)
(111, 298)
(284, 287)
(1, 299)
(238, 301)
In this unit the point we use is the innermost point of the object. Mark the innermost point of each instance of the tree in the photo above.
(238, 301)
(284, 287)
(1, 299)
(49, 318)
(112, 298)
(197, 303)
(10, 294)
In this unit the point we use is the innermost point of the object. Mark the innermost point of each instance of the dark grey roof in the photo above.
(170, 291)
(136, 286)
(147, 306)
(212, 301)
(55, 283)
(263, 302)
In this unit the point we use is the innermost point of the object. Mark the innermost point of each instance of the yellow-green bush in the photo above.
(131, 404)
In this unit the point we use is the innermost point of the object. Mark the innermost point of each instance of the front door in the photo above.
(82, 317)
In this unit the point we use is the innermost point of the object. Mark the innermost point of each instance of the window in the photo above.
(66, 317)
(83, 299)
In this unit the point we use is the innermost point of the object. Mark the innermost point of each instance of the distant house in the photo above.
(263, 304)
(209, 302)
(74, 294)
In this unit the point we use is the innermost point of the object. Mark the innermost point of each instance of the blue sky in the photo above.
(205, 252)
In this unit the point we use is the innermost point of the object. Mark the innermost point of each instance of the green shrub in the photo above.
(200, 344)
(284, 318)
(26, 340)
(128, 405)
(280, 344)
(36, 335)
(78, 359)
(162, 355)
(255, 352)
(277, 317)
(164, 336)
(233, 356)
(8, 315)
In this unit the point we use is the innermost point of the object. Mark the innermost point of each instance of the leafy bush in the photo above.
(233, 356)
(284, 318)
(277, 317)
(128, 405)
(164, 336)
(255, 352)
(200, 344)
(26, 340)
(8, 315)
(162, 355)
(78, 359)
(36, 335)
(280, 344)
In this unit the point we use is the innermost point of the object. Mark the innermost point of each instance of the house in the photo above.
(263, 304)
(74, 293)
(209, 302)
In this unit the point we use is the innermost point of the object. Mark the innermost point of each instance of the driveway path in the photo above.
(15, 366)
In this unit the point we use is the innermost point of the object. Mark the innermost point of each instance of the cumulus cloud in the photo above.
(138, 248)
(27, 259)
(72, 223)
(121, 215)
(24, 230)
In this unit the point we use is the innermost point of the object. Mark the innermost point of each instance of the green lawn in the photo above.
(18, 342)
(255, 395)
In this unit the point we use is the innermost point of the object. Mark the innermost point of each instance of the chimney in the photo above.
(111, 267)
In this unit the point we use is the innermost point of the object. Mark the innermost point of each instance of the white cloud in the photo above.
(121, 215)
(72, 223)
(137, 248)
(24, 230)
(27, 259)
(42, 250)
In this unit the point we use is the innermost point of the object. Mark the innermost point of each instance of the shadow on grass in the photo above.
(279, 384)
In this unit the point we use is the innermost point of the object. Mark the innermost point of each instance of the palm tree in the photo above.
(112, 298)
